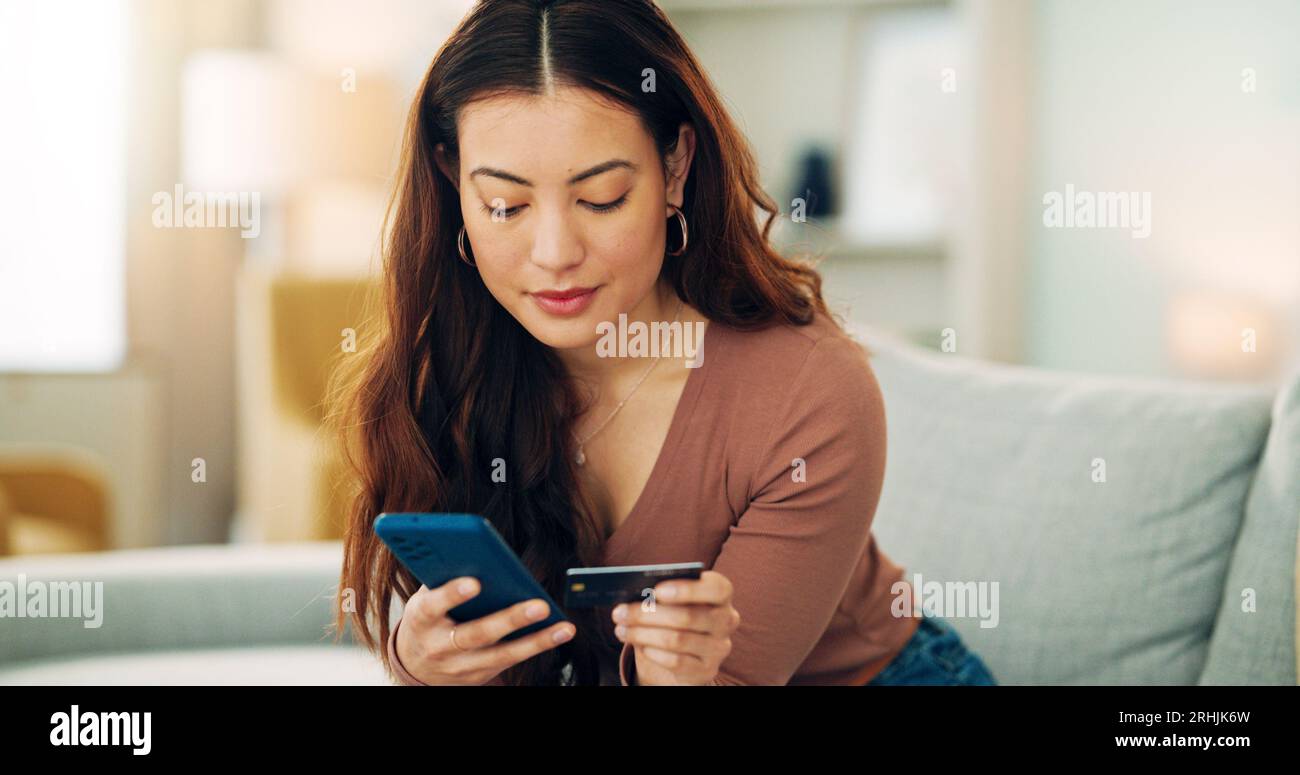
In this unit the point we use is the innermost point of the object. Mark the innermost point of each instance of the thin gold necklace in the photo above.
(581, 457)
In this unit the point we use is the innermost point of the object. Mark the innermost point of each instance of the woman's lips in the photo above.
(567, 302)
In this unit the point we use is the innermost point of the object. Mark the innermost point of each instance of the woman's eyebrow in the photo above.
(604, 166)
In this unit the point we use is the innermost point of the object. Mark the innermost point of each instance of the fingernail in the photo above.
(536, 610)
(562, 635)
(620, 613)
(668, 593)
(466, 587)
(620, 631)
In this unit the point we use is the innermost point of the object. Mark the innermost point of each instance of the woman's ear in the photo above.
(679, 165)
(444, 164)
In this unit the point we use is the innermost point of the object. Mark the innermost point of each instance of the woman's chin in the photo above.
(568, 334)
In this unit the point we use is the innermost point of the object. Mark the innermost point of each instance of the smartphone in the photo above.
(437, 548)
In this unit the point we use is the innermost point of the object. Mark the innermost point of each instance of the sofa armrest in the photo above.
(173, 598)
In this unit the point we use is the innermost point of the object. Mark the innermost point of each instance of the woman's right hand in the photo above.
(424, 643)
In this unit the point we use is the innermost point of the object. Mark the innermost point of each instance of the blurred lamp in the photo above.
(244, 120)
(254, 122)
(1218, 336)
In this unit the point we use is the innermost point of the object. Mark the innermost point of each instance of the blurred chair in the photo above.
(293, 479)
(52, 501)
(5, 510)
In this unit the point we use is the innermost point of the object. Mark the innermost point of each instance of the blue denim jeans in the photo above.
(935, 656)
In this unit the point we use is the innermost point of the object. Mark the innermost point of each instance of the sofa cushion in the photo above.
(990, 478)
(1254, 638)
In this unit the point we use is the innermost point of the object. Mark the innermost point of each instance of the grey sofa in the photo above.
(1175, 567)
(1170, 561)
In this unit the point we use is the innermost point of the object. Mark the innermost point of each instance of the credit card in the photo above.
(593, 587)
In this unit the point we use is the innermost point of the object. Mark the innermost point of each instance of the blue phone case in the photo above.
(440, 547)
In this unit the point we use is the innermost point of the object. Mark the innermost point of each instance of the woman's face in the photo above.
(565, 194)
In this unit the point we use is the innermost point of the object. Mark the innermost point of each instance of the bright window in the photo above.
(903, 155)
(62, 215)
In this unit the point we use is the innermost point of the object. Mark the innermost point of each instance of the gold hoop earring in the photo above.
(681, 219)
(460, 245)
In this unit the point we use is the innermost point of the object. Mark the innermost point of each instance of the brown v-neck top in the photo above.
(770, 475)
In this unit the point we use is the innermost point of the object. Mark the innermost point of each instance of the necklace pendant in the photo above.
(580, 458)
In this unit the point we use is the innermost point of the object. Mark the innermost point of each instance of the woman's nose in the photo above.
(556, 246)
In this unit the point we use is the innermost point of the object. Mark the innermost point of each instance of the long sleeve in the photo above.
(399, 672)
(627, 665)
(790, 555)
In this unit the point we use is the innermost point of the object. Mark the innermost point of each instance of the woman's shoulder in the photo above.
(779, 353)
(801, 392)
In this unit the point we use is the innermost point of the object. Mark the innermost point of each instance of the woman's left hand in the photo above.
(682, 633)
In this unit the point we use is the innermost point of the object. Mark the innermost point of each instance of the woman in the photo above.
(569, 173)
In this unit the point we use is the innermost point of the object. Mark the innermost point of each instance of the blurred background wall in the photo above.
(1199, 104)
(181, 368)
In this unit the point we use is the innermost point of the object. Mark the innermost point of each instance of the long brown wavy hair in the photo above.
(449, 381)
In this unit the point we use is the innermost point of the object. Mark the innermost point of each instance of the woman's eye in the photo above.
(502, 213)
(506, 213)
(608, 206)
